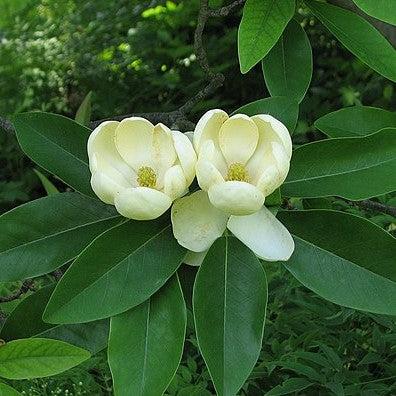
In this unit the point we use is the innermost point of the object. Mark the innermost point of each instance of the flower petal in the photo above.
(276, 167)
(175, 184)
(134, 140)
(186, 154)
(207, 175)
(102, 152)
(195, 259)
(142, 203)
(236, 197)
(264, 234)
(238, 138)
(107, 185)
(196, 222)
(272, 130)
(163, 151)
(208, 127)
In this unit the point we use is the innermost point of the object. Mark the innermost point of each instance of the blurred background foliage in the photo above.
(137, 56)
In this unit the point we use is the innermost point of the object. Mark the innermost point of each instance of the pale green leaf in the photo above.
(38, 357)
(385, 10)
(83, 115)
(49, 187)
(262, 24)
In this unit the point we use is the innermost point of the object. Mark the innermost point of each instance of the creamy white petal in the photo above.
(190, 135)
(272, 130)
(195, 259)
(196, 222)
(208, 127)
(264, 234)
(236, 197)
(275, 169)
(102, 152)
(207, 175)
(142, 203)
(238, 138)
(163, 153)
(107, 185)
(212, 153)
(186, 154)
(133, 140)
(175, 183)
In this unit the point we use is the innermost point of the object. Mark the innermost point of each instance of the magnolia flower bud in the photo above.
(138, 167)
(241, 159)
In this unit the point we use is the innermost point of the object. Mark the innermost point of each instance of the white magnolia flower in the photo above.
(138, 167)
(241, 160)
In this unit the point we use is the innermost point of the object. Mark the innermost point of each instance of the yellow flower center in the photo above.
(146, 177)
(238, 172)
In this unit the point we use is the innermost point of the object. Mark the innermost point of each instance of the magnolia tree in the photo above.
(146, 199)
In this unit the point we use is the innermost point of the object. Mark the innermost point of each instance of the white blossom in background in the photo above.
(241, 160)
(138, 167)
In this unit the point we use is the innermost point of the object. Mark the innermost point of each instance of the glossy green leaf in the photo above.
(354, 168)
(355, 121)
(83, 115)
(25, 321)
(280, 107)
(146, 343)
(120, 269)
(49, 187)
(385, 10)
(262, 24)
(344, 258)
(358, 36)
(6, 390)
(38, 357)
(58, 144)
(288, 66)
(230, 297)
(291, 385)
(41, 235)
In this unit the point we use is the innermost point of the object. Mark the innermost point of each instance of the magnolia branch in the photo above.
(26, 286)
(374, 206)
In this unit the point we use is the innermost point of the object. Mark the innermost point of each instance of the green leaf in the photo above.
(288, 66)
(6, 390)
(385, 10)
(120, 269)
(358, 36)
(49, 187)
(57, 144)
(230, 298)
(262, 24)
(25, 321)
(355, 121)
(344, 258)
(280, 107)
(38, 357)
(44, 234)
(354, 168)
(83, 115)
(146, 343)
(291, 385)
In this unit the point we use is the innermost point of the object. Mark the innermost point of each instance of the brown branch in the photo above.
(226, 10)
(26, 286)
(374, 206)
